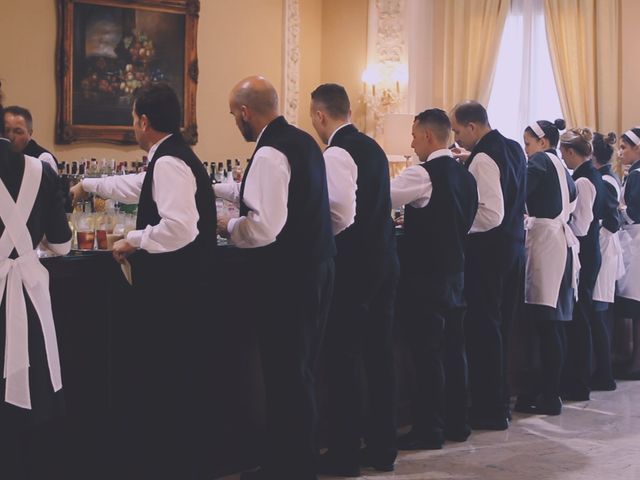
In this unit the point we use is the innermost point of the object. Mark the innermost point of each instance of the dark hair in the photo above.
(160, 104)
(334, 98)
(627, 139)
(603, 147)
(579, 139)
(471, 111)
(19, 112)
(437, 120)
(551, 130)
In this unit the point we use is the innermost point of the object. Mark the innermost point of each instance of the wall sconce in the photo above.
(383, 88)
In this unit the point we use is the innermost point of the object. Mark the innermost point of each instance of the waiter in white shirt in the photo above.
(441, 201)
(360, 323)
(18, 127)
(166, 407)
(284, 218)
(494, 259)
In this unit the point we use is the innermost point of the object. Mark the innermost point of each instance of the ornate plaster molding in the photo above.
(291, 64)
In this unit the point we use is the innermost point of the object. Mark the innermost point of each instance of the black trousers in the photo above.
(359, 334)
(435, 334)
(493, 290)
(576, 377)
(294, 303)
(601, 337)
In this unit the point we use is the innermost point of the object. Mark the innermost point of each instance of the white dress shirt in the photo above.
(413, 185)
(582, 215)
(173, 190)
(490, 201)
(46, 157)
(342, 177)
(266, 193)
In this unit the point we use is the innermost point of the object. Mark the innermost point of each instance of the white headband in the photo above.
(537, 130)
(630, 134)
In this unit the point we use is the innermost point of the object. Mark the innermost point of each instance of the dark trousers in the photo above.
(603, 372)
(493, 290)
(435, 334)
(294, 304)
(359, 333)
(576, 377)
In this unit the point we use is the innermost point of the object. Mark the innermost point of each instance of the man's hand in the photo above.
(78, 193)
(122, 249)
(222, 226)
(460, 154)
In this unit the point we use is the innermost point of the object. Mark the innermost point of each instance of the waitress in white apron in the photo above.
(31, 212)
(612, 266)
(552, 261)
(628, 287)
(576, 149)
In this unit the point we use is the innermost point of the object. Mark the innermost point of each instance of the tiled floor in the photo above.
(595, 440)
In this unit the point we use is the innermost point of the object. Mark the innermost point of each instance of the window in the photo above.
(524, 89)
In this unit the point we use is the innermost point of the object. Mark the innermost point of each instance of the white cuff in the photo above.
(134, 237)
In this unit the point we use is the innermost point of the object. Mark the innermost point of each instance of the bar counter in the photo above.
(91, 304)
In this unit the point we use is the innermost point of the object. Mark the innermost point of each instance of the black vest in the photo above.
(508, 237)
(435, 235)
(544, 196)
(34, 150)
(611, 218)
(372, 233)
(590, 256)
(632, 193)
(198, 254)
(306, 236)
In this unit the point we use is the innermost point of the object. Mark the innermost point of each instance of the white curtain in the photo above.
(524, 89)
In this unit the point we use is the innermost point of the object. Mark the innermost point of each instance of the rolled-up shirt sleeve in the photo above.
(122, 188)
(228, 191)
(582, 215)
(342, 177)
(490, 200)
(411, 187)
(266, 193)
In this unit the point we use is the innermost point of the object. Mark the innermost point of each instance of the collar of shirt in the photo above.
(153, 149)
(261, 132)
(335, 131)
(443, 152)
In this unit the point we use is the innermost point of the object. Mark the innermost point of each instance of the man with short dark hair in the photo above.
(361, 318)
(494, 259)
(166, 411)
(441, 200)
(284, 218)
(18, 125)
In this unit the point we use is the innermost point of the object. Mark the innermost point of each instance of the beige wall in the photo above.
(630, 65)
(236, 38)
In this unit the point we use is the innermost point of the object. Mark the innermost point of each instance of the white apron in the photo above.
(612, 267)
(546, 247)
(628, 286)
(26, 272)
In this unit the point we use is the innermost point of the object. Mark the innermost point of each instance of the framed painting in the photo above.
(109, 48)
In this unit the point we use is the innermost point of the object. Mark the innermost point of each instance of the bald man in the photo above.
(284, 218)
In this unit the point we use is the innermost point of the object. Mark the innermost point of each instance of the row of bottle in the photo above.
(100, 168)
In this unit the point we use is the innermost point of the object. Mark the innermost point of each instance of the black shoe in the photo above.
(575, 396)
(457, 434)
(603, 385)
(368, 460)
(414, 441)
(543, 406)
(329, 464)
(489, 423)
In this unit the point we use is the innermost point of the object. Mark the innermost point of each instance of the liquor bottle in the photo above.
(237, 172)
(219, 170)
(212, 174)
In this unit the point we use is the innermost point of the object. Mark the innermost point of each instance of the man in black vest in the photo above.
(18, 125)
(284, 218)
(361, 317)
(441, 200)
(166, 405)
(494, 259)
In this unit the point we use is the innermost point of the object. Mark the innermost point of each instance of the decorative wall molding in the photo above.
(291, 63)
